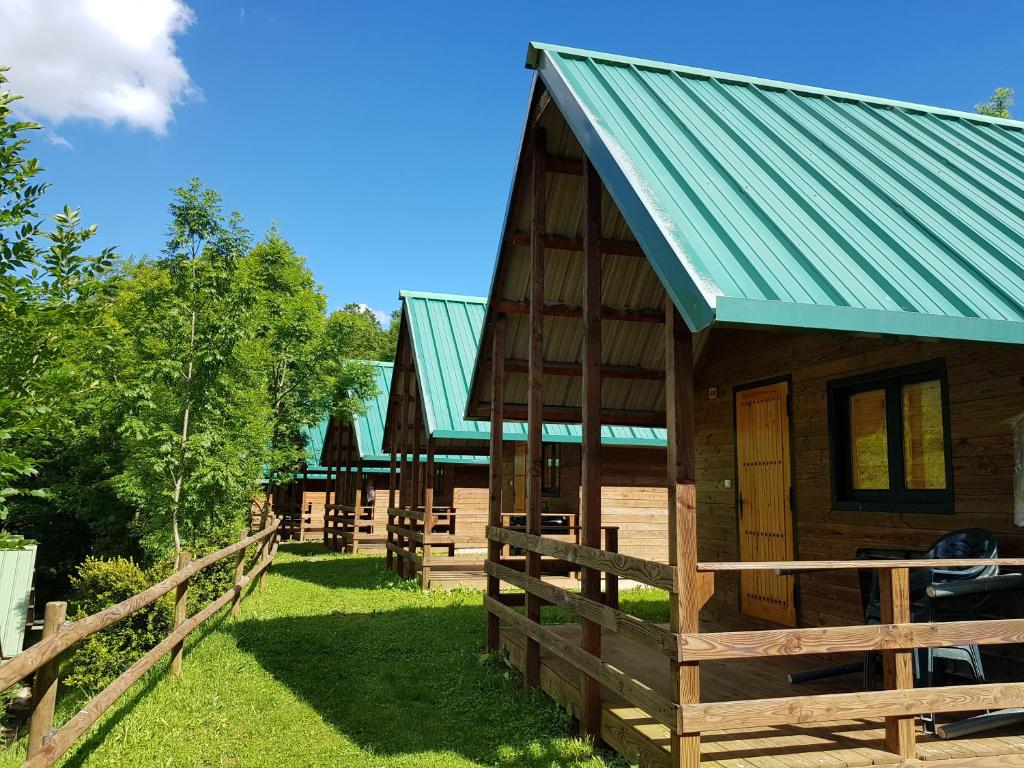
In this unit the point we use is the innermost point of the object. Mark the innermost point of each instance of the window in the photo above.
(439, 478)
(551, 481)
(890, 440)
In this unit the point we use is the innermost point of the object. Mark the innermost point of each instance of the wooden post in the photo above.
(408, 502)
(327, 478)
(266, 553)
(416, 488)
(535, 395)
(180, 613)
(590, 631)
(302, 502)
(428, 512)
(236, 602)
(494, 485)
(684, 607)
(611, 580)
(357, 506)
(389, 537)
(44, 687)
(897, 665)
(339, 495)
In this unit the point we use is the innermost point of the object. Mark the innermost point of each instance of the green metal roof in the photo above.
(769, 203)
(369, 430)
(445, 330)
(369, 425)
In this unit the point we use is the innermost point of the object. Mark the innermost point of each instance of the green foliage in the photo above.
(49, 292)
(998, 105)
(288, 322)
(195, 413)
(98, 584)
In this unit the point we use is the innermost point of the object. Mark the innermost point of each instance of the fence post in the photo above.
(236, 603)
(180, 614)
(44, 687)
(898, 665)
(266, 554)
(611, 580)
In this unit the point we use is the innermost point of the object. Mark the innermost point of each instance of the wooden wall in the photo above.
(633, 494)
(468, 494)
(986, 389)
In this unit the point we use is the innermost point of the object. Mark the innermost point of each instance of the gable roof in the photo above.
(768, 203)
(369, 425)
(444, 331)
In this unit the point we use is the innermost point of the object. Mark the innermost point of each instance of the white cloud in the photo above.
(107, 60)
(384, 318)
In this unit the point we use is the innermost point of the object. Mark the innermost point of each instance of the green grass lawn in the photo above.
(338, 663)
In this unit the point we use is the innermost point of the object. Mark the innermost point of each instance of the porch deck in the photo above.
(634, 734)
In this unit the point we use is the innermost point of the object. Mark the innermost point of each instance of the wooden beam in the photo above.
(646, 633)
(428, 513)
(791, 566)
(590, 496)
(631, 689)
(648, 572)
(567, 165)
(357, 504)
(684, 610)
(515, 307)
(551, 368)
(495, 475)
(571, 415)
(788, 710)
(898, 664)
(575, 244)
(535, 396)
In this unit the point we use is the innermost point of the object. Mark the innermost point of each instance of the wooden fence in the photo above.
(412, 535)
(896, 638)
(46, 745)
(347, 531)
(295, 521)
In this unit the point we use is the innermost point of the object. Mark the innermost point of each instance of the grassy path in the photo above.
(337, 663)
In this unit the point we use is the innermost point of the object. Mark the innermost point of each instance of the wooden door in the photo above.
(519, 477)
(765, 508)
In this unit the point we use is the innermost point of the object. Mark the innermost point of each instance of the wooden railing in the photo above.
(46, 745)
(896, 638)
(412, 535)
(345, 528)
(295, 521)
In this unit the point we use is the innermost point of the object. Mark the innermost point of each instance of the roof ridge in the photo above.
(535, 48)
(442, 296)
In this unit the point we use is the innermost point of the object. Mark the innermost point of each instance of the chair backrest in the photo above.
(966, 543)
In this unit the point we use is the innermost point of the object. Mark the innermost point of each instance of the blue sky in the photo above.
(382, 137)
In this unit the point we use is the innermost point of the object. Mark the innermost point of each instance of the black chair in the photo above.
(965, 544)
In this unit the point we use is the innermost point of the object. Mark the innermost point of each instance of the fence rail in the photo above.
(895, 638)
(46, 745)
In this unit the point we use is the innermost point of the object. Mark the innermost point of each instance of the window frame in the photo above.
(897, 498)
(551, 450)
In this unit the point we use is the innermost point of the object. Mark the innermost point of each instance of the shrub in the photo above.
(98, 584)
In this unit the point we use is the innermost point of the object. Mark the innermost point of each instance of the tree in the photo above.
(196, 419)
(49, 294)
(353, 336)
(288, 322)
(998, 104)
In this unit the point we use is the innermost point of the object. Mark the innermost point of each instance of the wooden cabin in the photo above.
(355, 504)
(437, 343)
(821, 296)
(299, 502)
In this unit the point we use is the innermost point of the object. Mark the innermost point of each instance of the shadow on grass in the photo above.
(407, 678)
(83, 748)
